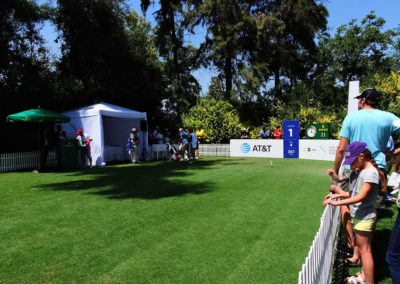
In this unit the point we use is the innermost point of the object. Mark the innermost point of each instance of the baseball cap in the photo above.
(353, 150)
(180, 129)
(190, 128)
(134, 129)
(370, 94)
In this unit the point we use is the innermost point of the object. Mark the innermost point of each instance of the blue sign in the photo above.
(245, 147)
(291, 139)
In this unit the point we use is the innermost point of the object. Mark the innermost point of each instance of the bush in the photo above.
(219, 120)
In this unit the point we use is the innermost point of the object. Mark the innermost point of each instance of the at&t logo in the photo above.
(245, 148)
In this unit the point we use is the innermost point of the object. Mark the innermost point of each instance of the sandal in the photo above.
(353, 279)
(349, 262)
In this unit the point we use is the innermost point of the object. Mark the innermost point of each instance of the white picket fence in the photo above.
(317, 268)
(26, 160)
(214, 150)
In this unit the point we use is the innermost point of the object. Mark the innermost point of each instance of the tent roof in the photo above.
(105, 109)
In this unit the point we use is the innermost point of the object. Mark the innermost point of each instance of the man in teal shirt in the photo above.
(368, 125)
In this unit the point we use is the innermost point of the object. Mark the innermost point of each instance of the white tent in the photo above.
(109, 126)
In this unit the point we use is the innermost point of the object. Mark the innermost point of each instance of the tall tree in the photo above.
(360, 50)
(355, 52)
(26, 79)
(286, 35)
(182, 88)
(24, 65)
(107, 54)
(227, 23)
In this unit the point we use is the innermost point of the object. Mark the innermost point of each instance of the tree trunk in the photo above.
(228, 78)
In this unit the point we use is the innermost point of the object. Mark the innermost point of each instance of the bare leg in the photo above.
(345, 213)
(364, 243)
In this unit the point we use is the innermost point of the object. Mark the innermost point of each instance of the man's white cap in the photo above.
(134, 129)
(180, 129)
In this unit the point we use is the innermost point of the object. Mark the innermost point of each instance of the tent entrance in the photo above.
(116, 131)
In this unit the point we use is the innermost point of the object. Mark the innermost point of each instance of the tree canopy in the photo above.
(273, 60)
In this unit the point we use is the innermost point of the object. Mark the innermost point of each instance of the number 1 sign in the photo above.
(291, 139)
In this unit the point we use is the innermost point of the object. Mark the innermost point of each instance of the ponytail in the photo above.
(382, 175)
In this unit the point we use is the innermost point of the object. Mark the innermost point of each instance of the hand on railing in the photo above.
(327, 200)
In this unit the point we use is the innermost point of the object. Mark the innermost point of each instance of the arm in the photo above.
(332, 173)
(365, 189)
(340, 153)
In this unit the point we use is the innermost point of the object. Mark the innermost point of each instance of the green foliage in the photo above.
(389, 87)
(310, 114)
(219, 119)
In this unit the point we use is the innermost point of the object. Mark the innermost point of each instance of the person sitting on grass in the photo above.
(365, 182)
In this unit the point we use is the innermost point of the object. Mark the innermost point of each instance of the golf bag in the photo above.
(173, 153)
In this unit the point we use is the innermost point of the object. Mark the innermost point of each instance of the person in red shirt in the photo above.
(278, 133)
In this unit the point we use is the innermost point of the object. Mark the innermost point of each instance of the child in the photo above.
(364, 186)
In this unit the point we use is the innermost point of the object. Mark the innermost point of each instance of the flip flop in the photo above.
(353, 279)
(349, 262)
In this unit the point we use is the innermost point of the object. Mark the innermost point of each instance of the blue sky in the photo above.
(340, 12)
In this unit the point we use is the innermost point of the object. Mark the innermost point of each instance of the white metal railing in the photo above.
(25, 160)
(319, 262)
(30, 160)
(214, 149)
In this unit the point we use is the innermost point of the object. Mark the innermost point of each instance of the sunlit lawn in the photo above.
(217, 220)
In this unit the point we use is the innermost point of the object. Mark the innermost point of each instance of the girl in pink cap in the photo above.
(365, 181)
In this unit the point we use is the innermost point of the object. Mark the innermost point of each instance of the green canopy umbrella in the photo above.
(37, 115)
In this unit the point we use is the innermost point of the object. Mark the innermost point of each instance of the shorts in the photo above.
(363, 225)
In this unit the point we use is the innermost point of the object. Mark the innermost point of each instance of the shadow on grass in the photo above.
(150, 180)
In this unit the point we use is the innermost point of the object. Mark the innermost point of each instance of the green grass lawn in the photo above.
(216, 220)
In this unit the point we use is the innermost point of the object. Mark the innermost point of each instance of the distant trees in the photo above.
(25, 76)
(107, 55)
(274, 60)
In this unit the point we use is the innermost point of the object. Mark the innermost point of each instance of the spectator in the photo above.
(373, 127)
(192, 143)
(159, 137)
(200, 139)
(84, 146)
(183, 138)
(244, 134)
(133, 146)
(365, 179)
(264, 134)
(60, 134)
(154, 135)
(278, 132)
(167, 136)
